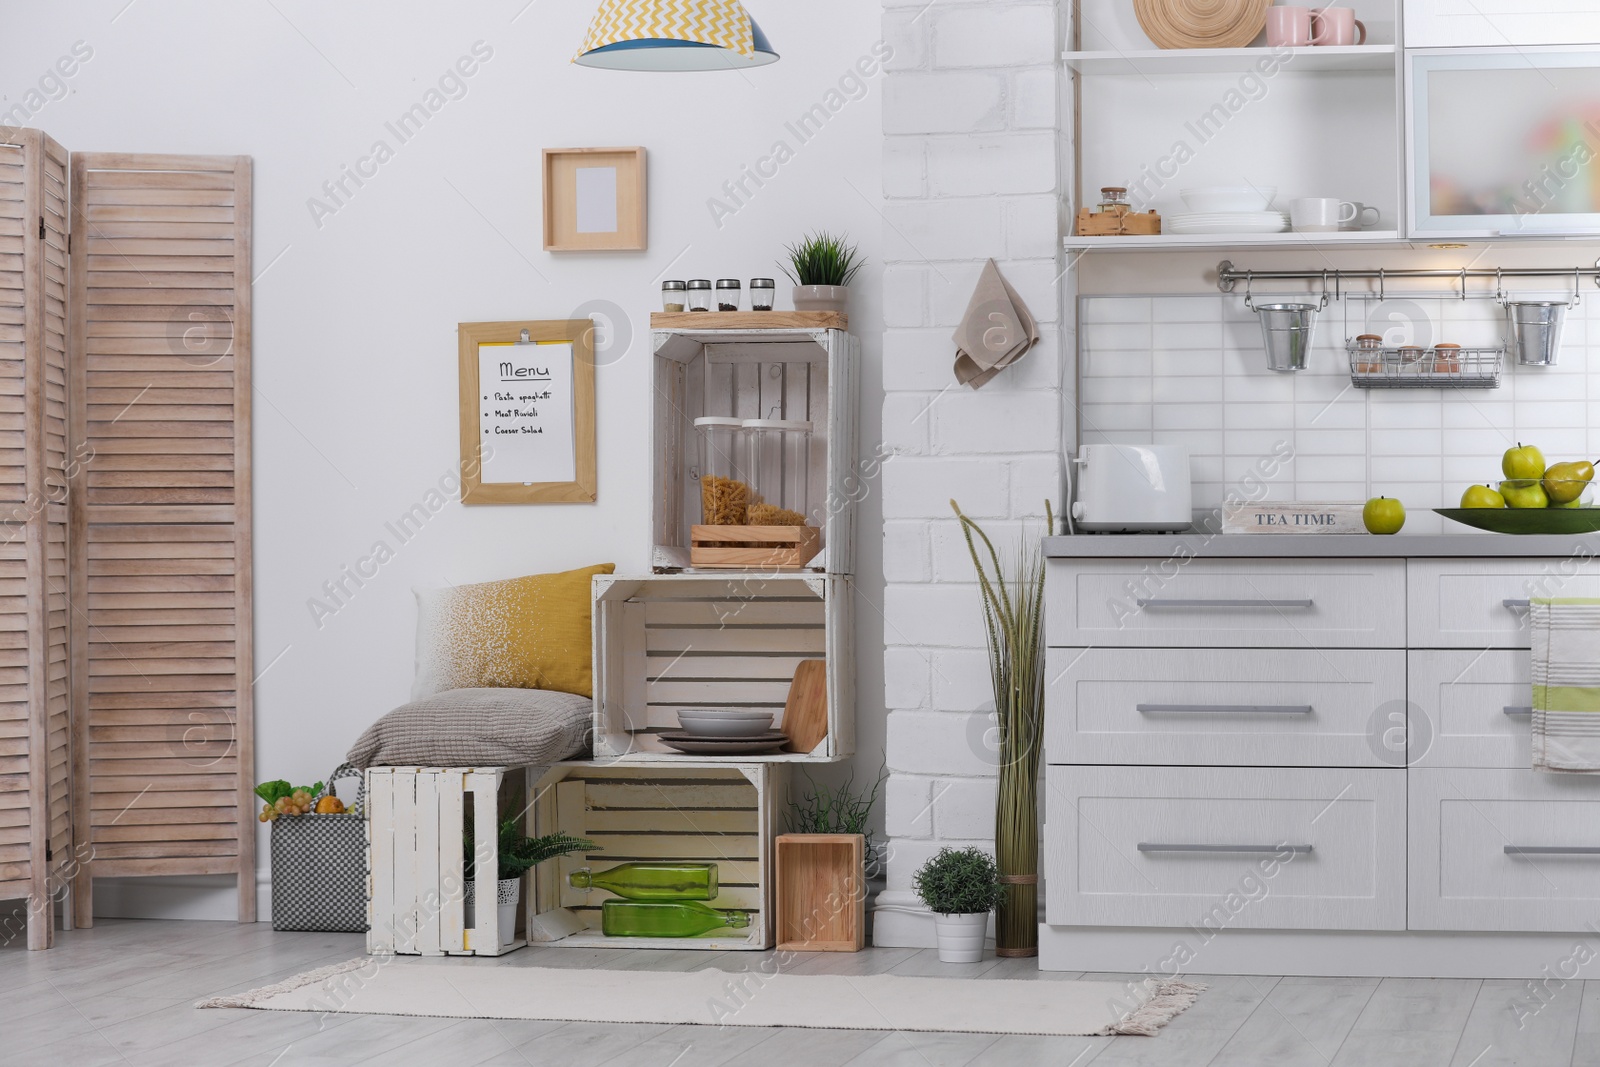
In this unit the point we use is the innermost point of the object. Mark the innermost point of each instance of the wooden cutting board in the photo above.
(805, 713)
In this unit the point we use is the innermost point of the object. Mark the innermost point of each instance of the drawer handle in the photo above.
(1202, 603)
(1553, 850)
(1512, 709)
(1145, 846)
(1516, 605)
(1223, 709)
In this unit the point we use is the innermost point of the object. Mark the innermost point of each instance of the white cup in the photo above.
(1320, 214)
(1358, 217)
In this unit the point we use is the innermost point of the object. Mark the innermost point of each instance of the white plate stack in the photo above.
(1228, 209)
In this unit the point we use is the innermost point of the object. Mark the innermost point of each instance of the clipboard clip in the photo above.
(523, 338)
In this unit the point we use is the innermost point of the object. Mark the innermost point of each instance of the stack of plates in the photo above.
(724, 732)
(1227, 222)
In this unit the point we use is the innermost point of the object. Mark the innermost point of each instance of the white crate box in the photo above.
(714, 811)
(416, 858)
(806, 374)
(672, 641)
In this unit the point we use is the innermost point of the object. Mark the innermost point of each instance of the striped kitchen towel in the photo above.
(1566, 683)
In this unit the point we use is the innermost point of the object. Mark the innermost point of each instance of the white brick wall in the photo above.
(972, 170)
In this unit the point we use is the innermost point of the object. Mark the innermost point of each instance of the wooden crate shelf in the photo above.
(699, 321)
(820, 901)
(767, 548)
(671, 641)
(707, 811)
(804, 373)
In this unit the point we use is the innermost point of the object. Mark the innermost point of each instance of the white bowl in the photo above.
(725, 722)
(1230, 197)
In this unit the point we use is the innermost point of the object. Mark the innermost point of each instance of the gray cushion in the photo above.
(478, 728)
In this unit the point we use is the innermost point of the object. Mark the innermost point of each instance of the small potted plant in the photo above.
(821, 267)
(519, 854)
(961, 887)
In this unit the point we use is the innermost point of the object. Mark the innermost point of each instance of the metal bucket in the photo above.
(1533, 329)
(1286, 329)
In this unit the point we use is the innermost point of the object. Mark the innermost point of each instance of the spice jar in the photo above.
(1369, 354)
(1114, 198)
(1447, 359)
(673, 296)
(779, 468)
(724, 493)
(727, 294)
(762, 291)
(700, 294)
(1411, 353)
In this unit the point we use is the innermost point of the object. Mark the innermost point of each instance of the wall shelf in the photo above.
(1155, 61)
(1203, 241)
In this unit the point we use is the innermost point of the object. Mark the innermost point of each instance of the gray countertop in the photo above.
(1398, 546)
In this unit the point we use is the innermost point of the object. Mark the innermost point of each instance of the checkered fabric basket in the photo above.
(319, 867)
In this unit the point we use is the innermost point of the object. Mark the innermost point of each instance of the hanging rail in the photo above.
(1228, 275)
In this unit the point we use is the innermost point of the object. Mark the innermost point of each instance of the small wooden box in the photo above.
(746, 547)
(821, 899)
(1117, 223)
(717, 811)
(1293, 518)
(749, 320)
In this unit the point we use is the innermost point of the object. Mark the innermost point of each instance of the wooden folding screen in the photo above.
(160, 537)
(35, 826)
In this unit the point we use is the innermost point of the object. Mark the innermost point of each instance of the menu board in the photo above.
(526, 412)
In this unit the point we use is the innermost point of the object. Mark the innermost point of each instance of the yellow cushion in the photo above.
(523, 633)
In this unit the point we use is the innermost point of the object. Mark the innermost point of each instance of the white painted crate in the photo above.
(786, 373)
(416, 861)
(710, 811)
(671, 641)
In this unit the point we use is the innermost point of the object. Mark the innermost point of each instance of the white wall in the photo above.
(356, 310)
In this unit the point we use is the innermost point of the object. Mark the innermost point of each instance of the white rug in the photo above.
(395, 986)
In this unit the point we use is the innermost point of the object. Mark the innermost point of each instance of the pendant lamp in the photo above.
(655, 35)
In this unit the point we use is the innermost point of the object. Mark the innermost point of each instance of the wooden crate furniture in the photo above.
(671, 641)
(717, 811)
(416, 858)
(35, 760)
(765, 548)
(788, 372)
(821, 895)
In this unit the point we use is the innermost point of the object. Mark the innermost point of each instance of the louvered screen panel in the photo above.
(16, 832)
(55, 474)
(161, 563)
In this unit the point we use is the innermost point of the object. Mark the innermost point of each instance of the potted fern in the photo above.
(961, 887)
(822, 267)
(518, 854)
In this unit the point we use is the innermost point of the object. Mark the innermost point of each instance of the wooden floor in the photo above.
(122, 993)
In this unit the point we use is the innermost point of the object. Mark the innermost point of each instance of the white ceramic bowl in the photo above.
(1229, 197)
(725, 722)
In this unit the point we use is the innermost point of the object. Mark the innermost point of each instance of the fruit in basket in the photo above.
(330, 805)
(1523, 463)
(1524, 493)
(1482, 496)
(1565, 482)
(1383, 515)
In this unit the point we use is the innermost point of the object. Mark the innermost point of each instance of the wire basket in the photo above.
(1423, 368)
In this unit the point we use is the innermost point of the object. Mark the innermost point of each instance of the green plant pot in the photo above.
(821, 297)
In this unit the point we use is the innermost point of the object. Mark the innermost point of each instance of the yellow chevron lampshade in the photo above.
(674, 35)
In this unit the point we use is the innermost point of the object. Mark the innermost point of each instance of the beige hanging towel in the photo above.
(996, 331)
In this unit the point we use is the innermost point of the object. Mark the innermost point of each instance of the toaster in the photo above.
(1133, 489)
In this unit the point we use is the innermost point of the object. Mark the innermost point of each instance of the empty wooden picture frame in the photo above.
(594, 200)
(527, 412)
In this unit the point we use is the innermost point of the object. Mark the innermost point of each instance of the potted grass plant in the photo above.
(961, 888)
(1012, 591)
(519, 854)
(822, 267)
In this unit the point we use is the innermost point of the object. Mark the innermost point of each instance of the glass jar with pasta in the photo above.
(724, 488)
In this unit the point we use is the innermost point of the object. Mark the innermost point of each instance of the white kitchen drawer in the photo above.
(1460, 603)
(1470, 708)
(1462, 876)
(1242, 707)
(1243, 603)
(1181, 846)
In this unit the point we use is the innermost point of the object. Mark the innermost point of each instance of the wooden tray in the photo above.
(749, 320)
(753, 546)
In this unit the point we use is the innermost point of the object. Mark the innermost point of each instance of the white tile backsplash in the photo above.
(1190, 370)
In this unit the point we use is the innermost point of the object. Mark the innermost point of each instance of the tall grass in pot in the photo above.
(1011, 586)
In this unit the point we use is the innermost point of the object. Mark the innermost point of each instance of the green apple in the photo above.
(1383, 515)
(1565, 482)
(1523, 462)
(1482, 496)
(1524, 493)
(1575, 502)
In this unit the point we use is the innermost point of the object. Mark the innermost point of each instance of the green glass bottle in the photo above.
(652, 881)
(684, 918)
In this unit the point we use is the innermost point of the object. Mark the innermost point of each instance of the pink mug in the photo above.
(1336, 25)
(1288, 27)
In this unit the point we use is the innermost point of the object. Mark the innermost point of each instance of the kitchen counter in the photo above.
(1205, 545)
